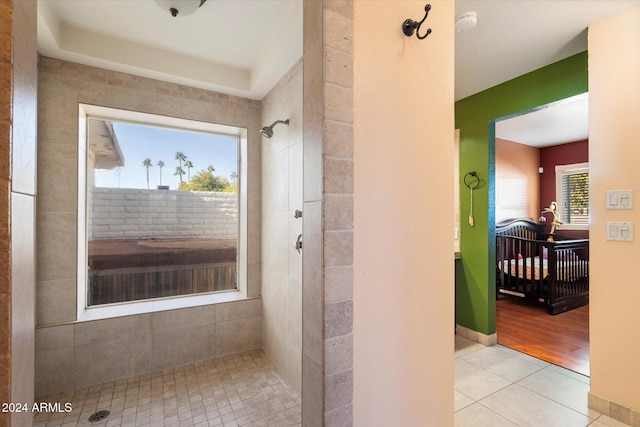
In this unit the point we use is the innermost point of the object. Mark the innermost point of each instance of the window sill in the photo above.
(572, 227)
(142, 307)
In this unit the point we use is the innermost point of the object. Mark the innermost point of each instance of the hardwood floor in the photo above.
(562, 339)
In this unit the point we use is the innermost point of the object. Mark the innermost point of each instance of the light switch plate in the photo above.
(620, 231)
(620, 199)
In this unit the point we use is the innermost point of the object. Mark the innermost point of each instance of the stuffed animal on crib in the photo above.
(553, 209)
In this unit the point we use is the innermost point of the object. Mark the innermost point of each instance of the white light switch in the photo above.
(620, 231)
(620, 199)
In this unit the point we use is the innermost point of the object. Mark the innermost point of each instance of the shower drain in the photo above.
(99, 416)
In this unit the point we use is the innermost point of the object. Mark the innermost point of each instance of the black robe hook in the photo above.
(409, 25)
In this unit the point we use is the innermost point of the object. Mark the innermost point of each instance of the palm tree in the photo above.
(188, 165)
(179, 171)
(160, 164)
(147, 164)
(180, 158)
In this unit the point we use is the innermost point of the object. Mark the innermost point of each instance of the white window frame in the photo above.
(563, 170)
(85, 313)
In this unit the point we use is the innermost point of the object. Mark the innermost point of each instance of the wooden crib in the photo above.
(530, 267)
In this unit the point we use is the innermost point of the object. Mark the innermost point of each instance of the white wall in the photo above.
(614, 152)
(403, 247)
(118, 213)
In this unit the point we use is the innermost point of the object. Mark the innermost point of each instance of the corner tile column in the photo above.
(18, 103)
(327, 390)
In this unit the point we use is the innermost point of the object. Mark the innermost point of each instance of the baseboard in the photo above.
(617, 412)
(477, 336)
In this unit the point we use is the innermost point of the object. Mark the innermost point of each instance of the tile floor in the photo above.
(241, 390)
(496, 386)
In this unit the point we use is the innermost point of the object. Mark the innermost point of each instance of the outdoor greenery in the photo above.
(205, 180)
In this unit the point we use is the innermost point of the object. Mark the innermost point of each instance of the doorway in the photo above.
(533, 151)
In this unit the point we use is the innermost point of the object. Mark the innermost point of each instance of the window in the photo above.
(163, 206)
(572, 192)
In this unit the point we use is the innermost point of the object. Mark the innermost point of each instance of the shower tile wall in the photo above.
(281, 196)
(71, 355)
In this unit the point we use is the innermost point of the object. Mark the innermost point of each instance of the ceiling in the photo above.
(243, 47)
(558, 123)
(238, 47)
(515, 37)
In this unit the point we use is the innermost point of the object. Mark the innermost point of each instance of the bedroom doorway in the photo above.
(534, 149)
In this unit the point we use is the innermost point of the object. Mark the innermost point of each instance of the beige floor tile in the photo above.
(476, 382)
(219, 392)
(505, 362)
(528, 409)
(477, 415)
(461, 401)
(560, 388)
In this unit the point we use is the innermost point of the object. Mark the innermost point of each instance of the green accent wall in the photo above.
(475, 117)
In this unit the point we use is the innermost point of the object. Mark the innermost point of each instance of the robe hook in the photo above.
(409, 25)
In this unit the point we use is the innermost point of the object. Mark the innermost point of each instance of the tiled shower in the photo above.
(72, 355)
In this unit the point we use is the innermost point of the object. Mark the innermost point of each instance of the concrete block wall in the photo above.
(118, 213)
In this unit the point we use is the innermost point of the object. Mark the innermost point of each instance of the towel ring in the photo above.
(472, 180)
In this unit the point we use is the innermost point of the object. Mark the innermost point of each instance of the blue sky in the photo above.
(139, 142)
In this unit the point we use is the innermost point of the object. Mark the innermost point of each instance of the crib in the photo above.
(528, 266)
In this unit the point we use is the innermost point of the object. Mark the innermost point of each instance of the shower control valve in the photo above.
(298, 245)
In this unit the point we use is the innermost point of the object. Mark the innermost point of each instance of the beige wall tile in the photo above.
(338, 212)
(56, 301)
(339, 69)
(60, 171)
(294, 313)
(339, 389)
(254, 279)
(338, 137)
(312, 392)
(55, 337)
(183, 318)
(293, 370)
(338, 175)
(338, 353)
(238, 310)
(239, 335)
(54, 371)
(295, 176)
(342, 7)
(57, 246)
(338, 31)
(175, 347)
(338, 103)
(294, 258)
(102, 361)
(338, 319)
(338, 248)
(338, 283)
(312, 309)
(313, 104)
(117, 328)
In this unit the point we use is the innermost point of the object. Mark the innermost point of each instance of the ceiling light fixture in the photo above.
(466, 21)
(179, 7)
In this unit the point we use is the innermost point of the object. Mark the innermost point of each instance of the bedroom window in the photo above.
(572, 193)
(162, 209)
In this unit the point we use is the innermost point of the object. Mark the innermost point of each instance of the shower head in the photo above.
(267, 131)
